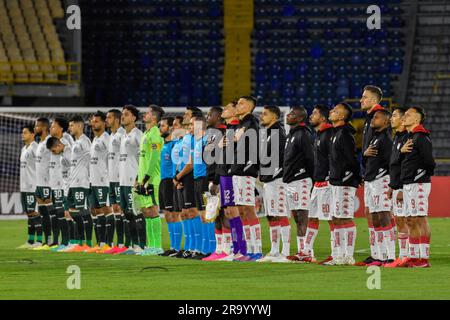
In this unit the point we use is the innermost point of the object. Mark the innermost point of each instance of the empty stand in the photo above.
(310, 51)
(153, 51)
(429, 80)
(31, 50)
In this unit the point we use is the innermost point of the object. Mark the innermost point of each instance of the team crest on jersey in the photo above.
(116, 142)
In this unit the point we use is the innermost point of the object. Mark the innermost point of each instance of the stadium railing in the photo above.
(38, 72)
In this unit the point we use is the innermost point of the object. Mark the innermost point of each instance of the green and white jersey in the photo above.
(79, 172)
(57, 181)
(114, 154)
(66, 158)
(43, 164)
(99, 161)
(129, 157)
(28, 168)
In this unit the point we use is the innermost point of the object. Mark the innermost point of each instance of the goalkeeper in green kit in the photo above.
(148, 180)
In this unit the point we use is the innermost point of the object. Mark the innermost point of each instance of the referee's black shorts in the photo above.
(178, 201)
(200, 187)
(166, 197)
(188, 191)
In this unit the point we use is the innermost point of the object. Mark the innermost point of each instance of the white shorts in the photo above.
(299, 194)
(343, 202)
(415, 196)
(275, 201)
(321, 202)
(398, 208)
(244, 190)
(375, 195)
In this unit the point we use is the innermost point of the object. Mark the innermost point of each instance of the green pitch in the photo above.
(43, 275)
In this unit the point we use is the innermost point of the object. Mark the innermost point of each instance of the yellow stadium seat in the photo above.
(29, 41)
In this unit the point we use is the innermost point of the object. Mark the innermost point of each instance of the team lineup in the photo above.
(114, 187)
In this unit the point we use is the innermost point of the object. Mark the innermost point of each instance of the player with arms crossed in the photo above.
(128, 171)
(114, 220)
(28, 188)
(321, 195)
(416, 171)
(298, 169)
(43, 191)
(79, 185)
(148, 221)
(344, 179)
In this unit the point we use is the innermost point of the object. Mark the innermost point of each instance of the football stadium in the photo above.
(224, 150)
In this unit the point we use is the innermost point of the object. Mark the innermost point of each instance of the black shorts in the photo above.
(114, 193)
(178, 200)
(58, 199)
(200, 187)
(188, 191)
(28, 200)
(77, 198)
(166, 197)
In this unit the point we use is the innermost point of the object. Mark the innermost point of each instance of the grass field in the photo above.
(42, 275)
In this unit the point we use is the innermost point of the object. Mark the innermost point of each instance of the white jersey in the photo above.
(99, 161)
(28, 168)
(129, 157)
(114, 154)
(68, 138)
(43, 164)
(58, 173)
(66, 165)
(79, 172)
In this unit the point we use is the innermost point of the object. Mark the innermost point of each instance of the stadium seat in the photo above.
(345, 47)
